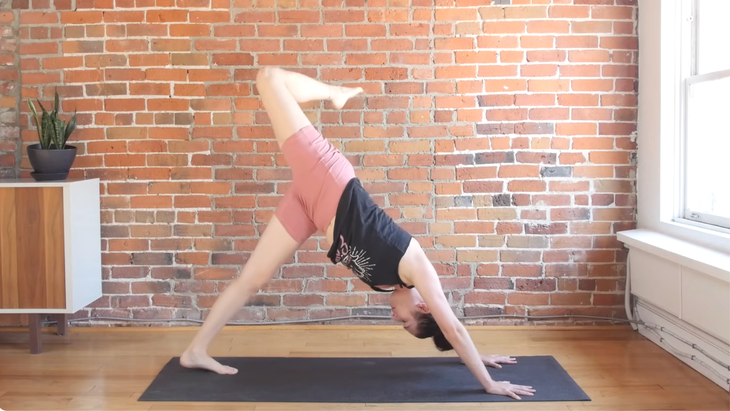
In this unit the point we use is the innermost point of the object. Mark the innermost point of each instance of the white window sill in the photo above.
(709, 261)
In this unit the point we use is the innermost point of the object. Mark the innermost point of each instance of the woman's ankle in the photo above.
(195, 351)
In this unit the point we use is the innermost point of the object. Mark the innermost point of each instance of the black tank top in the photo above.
(367, 240)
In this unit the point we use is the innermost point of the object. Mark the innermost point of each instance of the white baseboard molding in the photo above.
(694, 357)
(682, 293)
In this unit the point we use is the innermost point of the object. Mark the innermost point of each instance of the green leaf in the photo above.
(54, 136)
(70, 127)
(47, 123)
(37, 122)
(44, 122)
(52, 130)
(59, 129)
(55, 103)
(41, 104)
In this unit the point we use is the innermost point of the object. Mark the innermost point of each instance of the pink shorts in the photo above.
(319, 175)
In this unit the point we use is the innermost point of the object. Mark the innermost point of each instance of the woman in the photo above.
(326, 196)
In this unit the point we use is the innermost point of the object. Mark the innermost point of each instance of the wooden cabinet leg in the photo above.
(34, 328)
(61, 323)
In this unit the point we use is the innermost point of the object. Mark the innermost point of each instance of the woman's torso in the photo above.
(366, 240)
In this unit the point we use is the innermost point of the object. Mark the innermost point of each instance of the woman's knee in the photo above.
(250, 281)
(268, 74)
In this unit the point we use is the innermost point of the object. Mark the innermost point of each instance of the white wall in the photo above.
(679, 273)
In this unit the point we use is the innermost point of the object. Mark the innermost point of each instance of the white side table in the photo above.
(50, 249)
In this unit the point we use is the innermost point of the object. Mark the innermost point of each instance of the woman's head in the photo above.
(412, 312)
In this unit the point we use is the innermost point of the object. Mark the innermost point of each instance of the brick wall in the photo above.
(9, 90)
(499, 135)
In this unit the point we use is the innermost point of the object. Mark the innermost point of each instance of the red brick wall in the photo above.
(500, 136)
(9, 90)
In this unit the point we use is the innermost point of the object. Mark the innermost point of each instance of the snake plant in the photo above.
(53, 132)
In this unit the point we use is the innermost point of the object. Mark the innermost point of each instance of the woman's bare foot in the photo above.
(340, 95)
(204, 361)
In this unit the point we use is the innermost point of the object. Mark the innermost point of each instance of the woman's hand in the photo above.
(494, 360)
(419, 271)
(510, 390)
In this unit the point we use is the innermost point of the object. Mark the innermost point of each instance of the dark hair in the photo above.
(427, 327)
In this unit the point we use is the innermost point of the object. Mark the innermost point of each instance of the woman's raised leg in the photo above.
(282, 91)
(274, 249)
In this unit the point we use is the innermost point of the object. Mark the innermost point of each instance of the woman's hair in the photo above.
(427, 327)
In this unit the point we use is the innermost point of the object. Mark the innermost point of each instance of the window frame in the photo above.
(660, 27)
(688, 68)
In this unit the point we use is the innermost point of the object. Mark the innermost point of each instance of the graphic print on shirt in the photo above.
(355, 260)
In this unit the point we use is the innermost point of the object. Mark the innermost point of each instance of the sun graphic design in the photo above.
(355, 259)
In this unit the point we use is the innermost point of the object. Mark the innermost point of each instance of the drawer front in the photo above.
(32, 261)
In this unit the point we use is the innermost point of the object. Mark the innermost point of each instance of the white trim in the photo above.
(717, 222)
(712, 76)
(689, 309)
(67, 254)
(708, 261)
(692, 12)
(29, 182)
(687, 62)
(696, 224)
(645, 311)
(708, 220)
(661, 70)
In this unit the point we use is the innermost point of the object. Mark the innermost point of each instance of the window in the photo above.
(706, 141)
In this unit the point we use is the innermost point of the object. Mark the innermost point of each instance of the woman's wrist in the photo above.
(487, 381)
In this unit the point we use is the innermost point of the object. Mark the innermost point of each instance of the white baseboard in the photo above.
(675, 327)
(682, 294)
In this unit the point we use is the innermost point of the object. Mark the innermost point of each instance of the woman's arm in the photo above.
(419, 271)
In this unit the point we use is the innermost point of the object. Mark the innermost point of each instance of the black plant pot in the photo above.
(51, 164)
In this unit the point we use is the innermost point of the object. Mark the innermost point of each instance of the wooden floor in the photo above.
(108, 369)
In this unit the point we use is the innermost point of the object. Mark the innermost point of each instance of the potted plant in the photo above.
(51, 158)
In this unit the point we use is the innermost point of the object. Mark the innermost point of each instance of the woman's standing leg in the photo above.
(274, 248)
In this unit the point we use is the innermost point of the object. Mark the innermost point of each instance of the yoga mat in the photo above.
(358, 380)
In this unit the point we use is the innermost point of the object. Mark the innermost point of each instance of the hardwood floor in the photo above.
(108, 369)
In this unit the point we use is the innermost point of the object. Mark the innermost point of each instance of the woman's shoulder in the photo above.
(413, 259)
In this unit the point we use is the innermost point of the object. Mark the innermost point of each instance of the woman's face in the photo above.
(406, 305)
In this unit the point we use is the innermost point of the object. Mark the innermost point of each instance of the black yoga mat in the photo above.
(358, 380)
